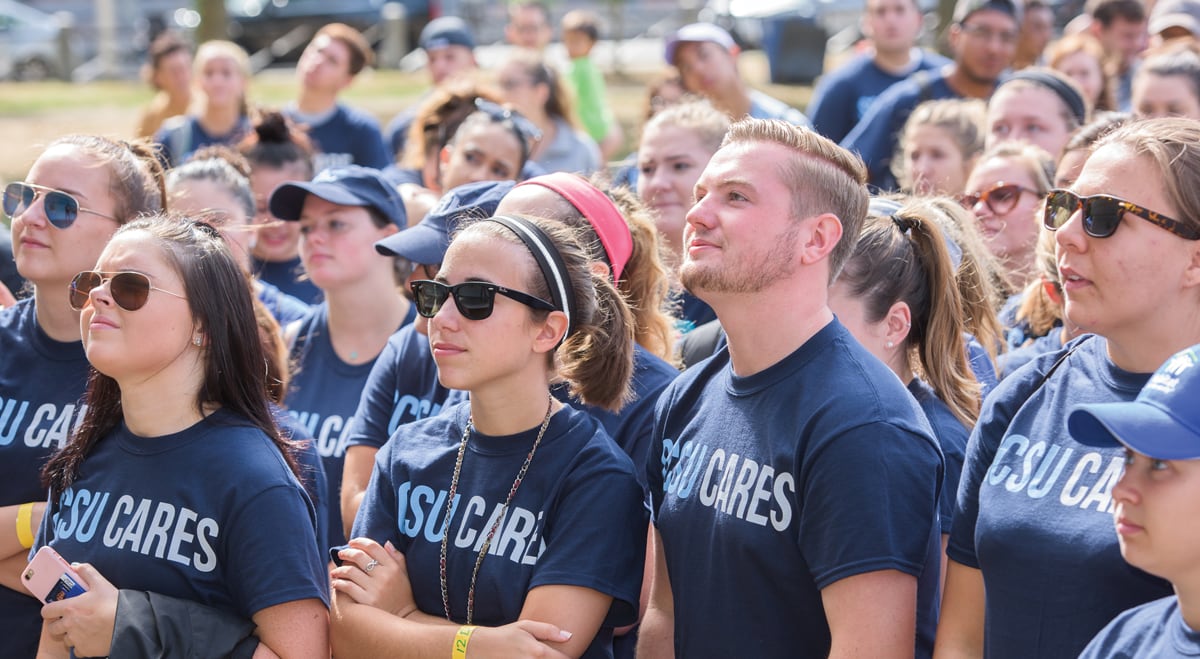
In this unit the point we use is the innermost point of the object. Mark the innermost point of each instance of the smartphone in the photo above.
(50, 577)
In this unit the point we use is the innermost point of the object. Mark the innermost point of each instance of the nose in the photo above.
(1071, 234)
(1127, 490)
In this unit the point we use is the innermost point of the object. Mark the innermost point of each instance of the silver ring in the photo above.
(371, 564)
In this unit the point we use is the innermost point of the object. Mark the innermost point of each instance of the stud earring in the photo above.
(197, 341)
(890, 344)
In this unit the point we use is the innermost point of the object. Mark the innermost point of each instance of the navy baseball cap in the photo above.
(697, 33)
(426, 243)
(350, 185)
(446, 31)
(1163, 422)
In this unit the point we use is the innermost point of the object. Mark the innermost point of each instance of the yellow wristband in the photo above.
(460, 642)
(25, 525)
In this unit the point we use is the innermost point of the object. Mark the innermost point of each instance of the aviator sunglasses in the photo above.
(1102, 214)
(1001, 198)
(474, 299)
(60, 208)
(129, 290)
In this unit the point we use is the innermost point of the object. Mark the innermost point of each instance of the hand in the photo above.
(85, 623)
(523, 638)
(375, 575)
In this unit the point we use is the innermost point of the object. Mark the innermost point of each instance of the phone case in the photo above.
(50, 577)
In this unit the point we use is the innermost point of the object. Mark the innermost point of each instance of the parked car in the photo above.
(285, 26)
(31, 47)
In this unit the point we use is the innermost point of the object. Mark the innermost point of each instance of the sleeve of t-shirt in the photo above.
(271, 551)
(655, 460)
(376, 517)
(378, 401)
(869, 503)
(832, 110)
(598, 540)
(875, 136)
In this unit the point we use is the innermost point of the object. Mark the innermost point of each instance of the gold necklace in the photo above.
(487, 543)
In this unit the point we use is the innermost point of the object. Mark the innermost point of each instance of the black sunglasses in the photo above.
(474, 299)
(1001, 198)
(60, 208)
(1102, 214)
(129, 290)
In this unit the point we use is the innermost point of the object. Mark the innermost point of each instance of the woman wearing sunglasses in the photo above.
(509, 525)
(1034, 566)
(342, 213)
(76, 195)
(177, 480)
(1005, 191)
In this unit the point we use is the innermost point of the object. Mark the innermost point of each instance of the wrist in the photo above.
(25, 525)
(461, 638)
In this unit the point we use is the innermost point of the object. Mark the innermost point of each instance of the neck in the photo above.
(1142, 349)
(968, 86)
(894, 61)
(734, 102)
(54, 315)
(362, 318)
(165, 402)
(500, 411)
(314, 102)
(764, 328)
(1189, 602)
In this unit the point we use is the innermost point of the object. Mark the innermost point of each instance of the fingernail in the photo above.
(564, 635)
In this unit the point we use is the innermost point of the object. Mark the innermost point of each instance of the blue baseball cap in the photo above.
(350, 185)
(446, 31)
(1163, 422)
(697, 33)
(426, 243)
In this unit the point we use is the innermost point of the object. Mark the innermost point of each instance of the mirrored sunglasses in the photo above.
(129, 290)
(474, 299)
(60, 208)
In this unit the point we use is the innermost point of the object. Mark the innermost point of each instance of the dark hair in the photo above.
(558, 102)
(361, 55)
(904, 258)
(596, 358)
(135, 172)
(583, 21)
(164, 45)
(439, 117)
(219, 171)
(823, 177)
(1100, 125)
(276, 142)
(1107, 11)
(484, 118)
(234, 364)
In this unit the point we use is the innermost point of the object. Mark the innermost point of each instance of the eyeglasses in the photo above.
(987, 34)
(60, 208)
(1102, 214)
(1001, 198)
(474, 299)
(129, 290)
(525, 129)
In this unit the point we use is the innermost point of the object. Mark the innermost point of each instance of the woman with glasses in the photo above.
(1005, 191)
(511, 524)
(75, 196)
(341, 213)
(535, 89)
(1035, 570)
(177, 481)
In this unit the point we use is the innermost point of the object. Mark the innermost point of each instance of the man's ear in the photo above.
(823, 234)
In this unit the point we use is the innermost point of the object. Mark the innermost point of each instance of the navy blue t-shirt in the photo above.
(312, 471)
(41, 386)
(952, 436)
(1155, 629)
(577, 519)
(323, 396)
(843, 95)
(1015, 358)
(876, 135)
(768, 488)
(183, 136)
(347, 137)
(403, 386)
(288, 276)
(210, 514)
(693, 312)
(1034, 509)
(284, 308)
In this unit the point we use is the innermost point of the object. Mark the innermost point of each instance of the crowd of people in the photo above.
(912, 375)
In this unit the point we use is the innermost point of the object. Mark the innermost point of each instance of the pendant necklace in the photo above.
(487, 543)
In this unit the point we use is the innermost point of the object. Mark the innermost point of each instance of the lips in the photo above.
(100, 322)
(1072, 279)
(1127, 528)
(444, 349)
